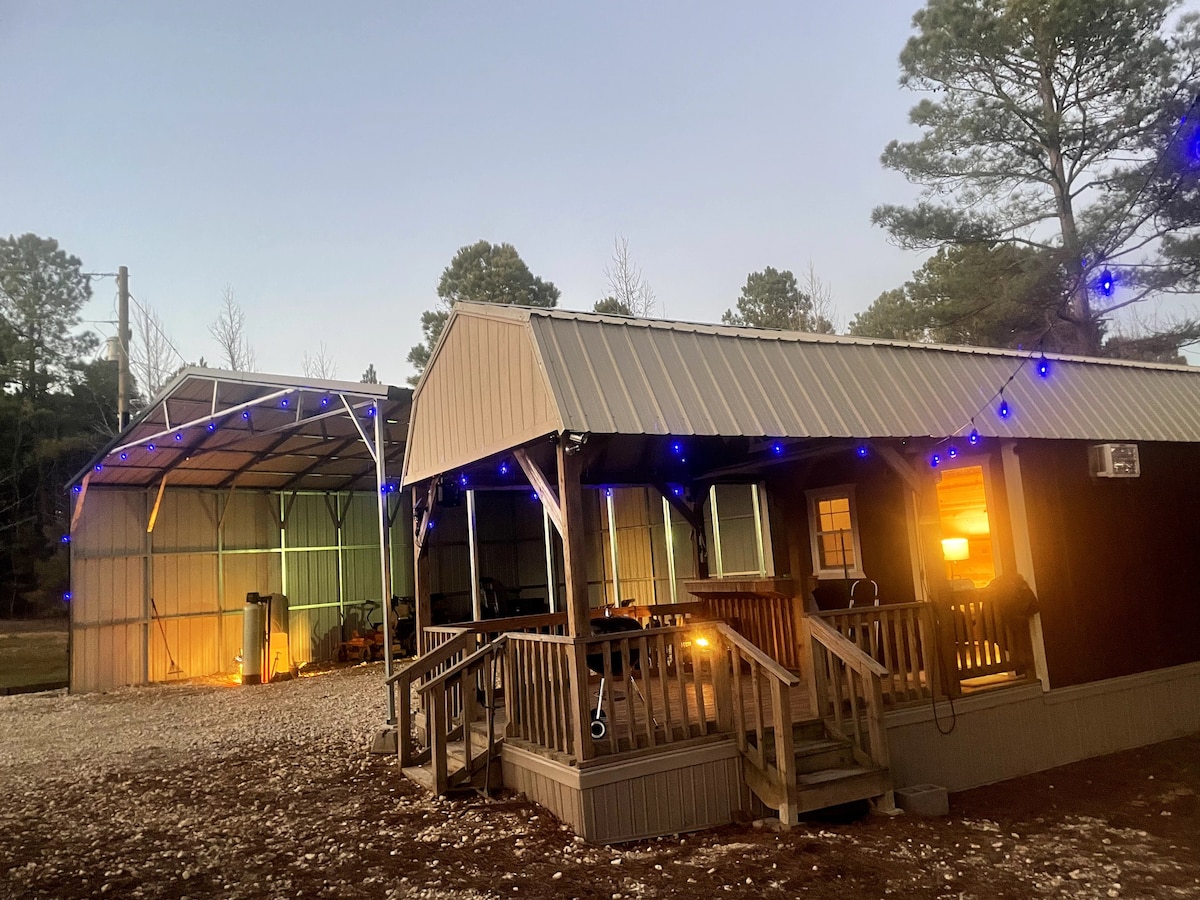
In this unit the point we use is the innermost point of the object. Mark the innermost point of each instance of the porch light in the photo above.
(955, 549)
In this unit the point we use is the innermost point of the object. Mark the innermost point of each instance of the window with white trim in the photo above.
(833, 529)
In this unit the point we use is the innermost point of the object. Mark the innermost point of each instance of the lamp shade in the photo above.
(955, 549)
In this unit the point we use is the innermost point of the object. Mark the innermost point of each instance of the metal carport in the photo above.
(228, 483)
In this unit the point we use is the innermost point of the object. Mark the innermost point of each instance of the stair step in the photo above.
(815, 756)
(833, 787)
(421, 775)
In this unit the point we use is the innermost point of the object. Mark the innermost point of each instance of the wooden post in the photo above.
(570, 498)
(929, 532)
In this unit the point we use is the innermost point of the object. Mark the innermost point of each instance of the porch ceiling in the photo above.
(212, 428)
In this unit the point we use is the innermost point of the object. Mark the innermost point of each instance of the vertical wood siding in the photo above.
(483, 393)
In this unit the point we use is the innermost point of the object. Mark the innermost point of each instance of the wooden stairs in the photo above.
(826, 771)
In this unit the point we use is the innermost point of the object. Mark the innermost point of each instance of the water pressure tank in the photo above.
(253, 630)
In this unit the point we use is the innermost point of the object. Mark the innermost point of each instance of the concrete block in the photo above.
(384, 741)
(924, 800)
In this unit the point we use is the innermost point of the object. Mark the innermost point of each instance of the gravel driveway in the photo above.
(206, 790)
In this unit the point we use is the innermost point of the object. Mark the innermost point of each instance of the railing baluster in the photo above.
(643, 649)
(660, 656)
(685, 717)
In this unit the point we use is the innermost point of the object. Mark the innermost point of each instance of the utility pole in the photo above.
(124, 336)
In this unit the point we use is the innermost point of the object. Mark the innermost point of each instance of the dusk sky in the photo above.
(327, 160)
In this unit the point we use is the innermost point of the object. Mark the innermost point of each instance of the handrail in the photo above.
(752, 651)
(512, 623)
(433, 658)
(463, 664)
(868, 610)
(846, 650)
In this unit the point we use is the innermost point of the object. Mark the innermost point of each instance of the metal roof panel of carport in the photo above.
(211, 428)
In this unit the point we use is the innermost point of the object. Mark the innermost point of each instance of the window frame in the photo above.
(814, 533)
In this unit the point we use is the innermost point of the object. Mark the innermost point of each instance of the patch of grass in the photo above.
(32, 657)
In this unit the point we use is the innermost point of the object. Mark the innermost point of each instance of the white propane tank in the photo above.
(253, 616)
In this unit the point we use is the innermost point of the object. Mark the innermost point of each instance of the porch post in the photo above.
(570, 498)
(1018, 523)
(929, 531)
(421, 568)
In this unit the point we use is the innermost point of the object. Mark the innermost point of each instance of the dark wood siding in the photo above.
(1116, 561)
(883, 532)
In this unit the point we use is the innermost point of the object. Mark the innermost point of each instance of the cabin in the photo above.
(670, 573)
(229, 486)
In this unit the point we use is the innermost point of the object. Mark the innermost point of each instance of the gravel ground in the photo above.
(206, 790)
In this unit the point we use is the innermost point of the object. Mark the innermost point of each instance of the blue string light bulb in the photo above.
(935, 461)
(1043, 366)
(973, 438)
(1003, 410)
(861, 450)
(1106, 283)
(952, 452)
(777, 448)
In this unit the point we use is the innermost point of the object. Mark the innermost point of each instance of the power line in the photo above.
(149, 318)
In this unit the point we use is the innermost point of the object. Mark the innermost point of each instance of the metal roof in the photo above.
(213, 428)
(619, 375)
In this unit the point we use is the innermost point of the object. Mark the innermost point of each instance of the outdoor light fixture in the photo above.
(676, 447)
(935, 461)
(462, 479)
(371, 410)
(952, 452)
(178, 436)
(245, 414)
(99, 467)
(1003, 411)
(76, 489)
(574, 441)
(777, 448)
(66, 539)
(324, 401)
(284, 402)
(212, 426)
(124, 456)
(150, 448)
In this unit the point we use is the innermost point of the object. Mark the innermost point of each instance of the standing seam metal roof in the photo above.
(611, 374)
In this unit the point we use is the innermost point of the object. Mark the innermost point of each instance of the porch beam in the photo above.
(547, 494)
(901, 467)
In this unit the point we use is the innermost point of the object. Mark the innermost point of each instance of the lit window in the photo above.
(966, 527)
(833, 526)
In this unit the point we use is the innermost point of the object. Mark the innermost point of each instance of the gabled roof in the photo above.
(558, 370)
(213, 428)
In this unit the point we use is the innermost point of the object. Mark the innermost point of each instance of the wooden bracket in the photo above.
(546, 493)
(162, 486)
(690, 513)
(78, 511)
(422, 529)
(901, 467)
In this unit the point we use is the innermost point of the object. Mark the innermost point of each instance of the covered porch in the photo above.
(776, 617)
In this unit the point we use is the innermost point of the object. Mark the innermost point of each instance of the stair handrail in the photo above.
(441, 730)
(400, 684)
(780, 777)
(871, 674)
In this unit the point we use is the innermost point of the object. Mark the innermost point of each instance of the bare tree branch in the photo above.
(229, 331)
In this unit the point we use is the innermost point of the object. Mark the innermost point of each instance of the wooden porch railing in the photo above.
(770, 623)
(982, 645)
(413, 738)
(538, 697)
(452, 702)
(432, 636)
(897, 636)
(849, 689)
(773, 779)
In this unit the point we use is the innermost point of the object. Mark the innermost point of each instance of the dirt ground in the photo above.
(207, 790)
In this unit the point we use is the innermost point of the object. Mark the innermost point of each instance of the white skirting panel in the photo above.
(1008, 733)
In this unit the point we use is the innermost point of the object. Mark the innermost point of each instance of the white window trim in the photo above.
(814, 497)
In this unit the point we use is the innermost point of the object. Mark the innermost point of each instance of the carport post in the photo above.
(385, 560)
